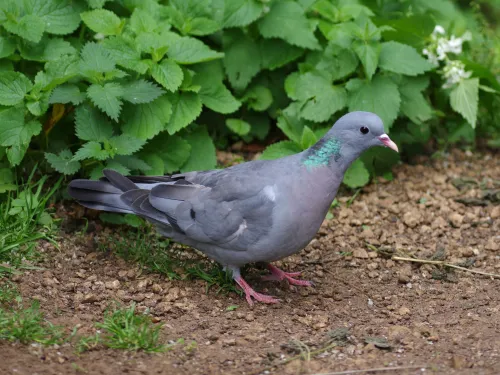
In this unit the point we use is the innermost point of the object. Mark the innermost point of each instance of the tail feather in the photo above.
(117, 193)
(94, 185)
(119, 181)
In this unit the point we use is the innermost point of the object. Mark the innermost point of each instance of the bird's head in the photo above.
(362, 130)
(346, 140)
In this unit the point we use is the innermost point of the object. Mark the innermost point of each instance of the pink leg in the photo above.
(277, 274)
(249, 293)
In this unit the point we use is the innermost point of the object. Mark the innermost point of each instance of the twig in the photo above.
(380, 369)
(442, 263)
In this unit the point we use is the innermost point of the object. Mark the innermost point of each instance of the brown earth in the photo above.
(419, 314)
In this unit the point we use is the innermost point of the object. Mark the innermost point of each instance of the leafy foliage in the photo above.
(148, 86)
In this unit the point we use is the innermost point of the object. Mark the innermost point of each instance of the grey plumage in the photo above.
(258, 211)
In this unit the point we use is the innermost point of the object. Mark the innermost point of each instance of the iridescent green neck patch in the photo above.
(321, 153)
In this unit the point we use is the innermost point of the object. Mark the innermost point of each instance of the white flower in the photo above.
(438, 30)
(440, 46)
(454, 72)
(431, 57)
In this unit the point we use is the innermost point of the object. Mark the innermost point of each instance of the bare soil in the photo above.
(447, 322)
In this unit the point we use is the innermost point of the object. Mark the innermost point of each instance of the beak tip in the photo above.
(388, 142)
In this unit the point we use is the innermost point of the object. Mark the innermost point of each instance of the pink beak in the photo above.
(384, 138)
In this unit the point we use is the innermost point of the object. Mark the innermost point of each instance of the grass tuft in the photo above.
(23, 222)
(214, 276)
(124, 329)
(28, 325)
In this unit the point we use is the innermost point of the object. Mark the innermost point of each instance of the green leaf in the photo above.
(91, 150)
(154, 44)
(290, 122)
(40, 106)
(218, 98)
(144, 121)
(340, 34)
(157, 167)
(326, 10)
(259, 98)
(92, 125)
(319, 99)
(13, 87)
(337, 61)
(15, 154)
(168, 74)
(413, 30)
(29, 27)
(213, 93)
(97, 3)
(125, 53)
(403, 59)
(308, 138)
(7, 46)
(368, 52)
(286, 20)
(276, 53)
(380, 96)
(186, 107)
(63, 162)
(13, 130)
(203, 155)
(356, 175)
(57, 72)
(96, 59)
(173, 150)
(7, 181)
(132, 162)
(141, 91)
(279, 150)
(56, 48)
(133, 220)
(114, 165)
(96, 172)
(238, 13)
(125, 144)
(112, 218)
(142, 21)
(241, 60)
(187, 50)
(203, 26)
(464, 99)
(353, 11)
(413, 103)
(107, 98)
(102, 21)
(238, 126)
(67, 93)
(59, 16)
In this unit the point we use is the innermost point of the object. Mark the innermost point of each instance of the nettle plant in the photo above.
(147, 86)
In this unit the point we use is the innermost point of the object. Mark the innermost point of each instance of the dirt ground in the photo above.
(380, 312)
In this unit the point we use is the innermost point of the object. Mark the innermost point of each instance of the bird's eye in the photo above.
(364, 130)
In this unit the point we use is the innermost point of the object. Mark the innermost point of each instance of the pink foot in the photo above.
(249, 293)
(277, 274)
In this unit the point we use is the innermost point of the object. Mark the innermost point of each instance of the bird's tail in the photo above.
(106, 194)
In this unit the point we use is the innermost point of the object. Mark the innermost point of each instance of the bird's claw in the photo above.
(249, 293)
(279, 275)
